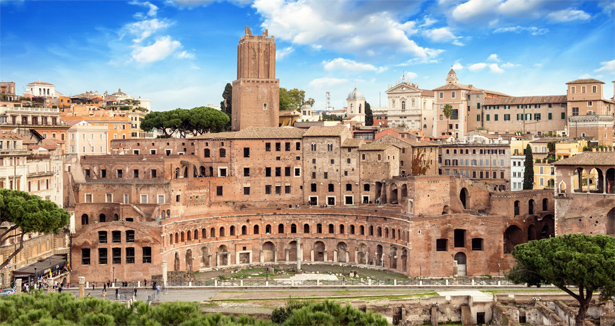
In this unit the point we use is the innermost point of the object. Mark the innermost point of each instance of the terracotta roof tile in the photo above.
(585, 81)
(353, 142)
(325, 131)
(10, 135)
(525, 100)
(374, 147)
(589, 158)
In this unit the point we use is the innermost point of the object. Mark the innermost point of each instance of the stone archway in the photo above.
(404, 260)
(292, 251)
(176, 262)
(512, 237)
(342, 249)
(393, 257)
(205, 257)
(378, 258)
(268, 252)
(362, 254)
(394, 194)
(464, 196)
(319, 251)
(223, 256)
(462, 266)
(189, 260)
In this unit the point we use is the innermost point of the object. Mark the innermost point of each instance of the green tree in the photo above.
(528, 173)
(292, 99)
(571, 261)
(25, 213)
(369, 115)
(448, 112)
(196, 121)
(310, 102)
(227, 103)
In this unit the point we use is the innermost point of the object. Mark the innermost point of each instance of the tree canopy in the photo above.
(226, 105)
(27, 213)
(64, 309)
(528, 173)
(573, 260)
(369, 115)
(195, 121)
(293, 99)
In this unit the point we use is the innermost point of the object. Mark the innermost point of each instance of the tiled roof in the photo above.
(374, 147)
(269, 132)
(589, 158)
(353, 142)
(452, 86)
(525, 100)
(426, 92)
(325, 131)
(585, 81)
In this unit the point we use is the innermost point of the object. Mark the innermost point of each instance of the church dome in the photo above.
(306, 107)
(355, 95)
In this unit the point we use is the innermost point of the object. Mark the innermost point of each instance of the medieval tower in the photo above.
(256, 90)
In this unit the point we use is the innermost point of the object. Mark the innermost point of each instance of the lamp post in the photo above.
(35, 278)
(498, 269)
(114, 274)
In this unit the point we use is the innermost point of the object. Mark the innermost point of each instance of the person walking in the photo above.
(104, 294)
(135, 289)
(117, 293)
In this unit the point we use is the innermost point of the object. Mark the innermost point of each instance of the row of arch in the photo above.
(214, 232)
(531, 206)
(85, 218)
(594, 181)
(514, 235)
(391, 257)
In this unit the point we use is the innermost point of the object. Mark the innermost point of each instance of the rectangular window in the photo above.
(102, 256)
(453, 94)
(267, 172)
(143, 199)
(153, 173)
(117, 255)
(287, 171)
(287, 146)
(130, 255)
(441, 94)
(495, 117)
(246, 191)
(246, 152)
(326, 175)
(219, 191)
(298, 146)
(278, 190)
(278, 171)
(147, 255)
(575, 111)
(477, 244)
(246, 172)
(119, 173)
(488, 118)
(278, 147)
(87, 173)
(297, 172)
(85, 256)
(441, 244)
(563, 115)
(267, 147)
(88, 197)
(116, 236)
(331, 187)
(108, 198)
(102, 236)
(130, 236)
(348, 187)
(478, 117)
(550, 116)
(160, 199)
(267, 190)
(287, 189)
(313, 187)
(460, 238)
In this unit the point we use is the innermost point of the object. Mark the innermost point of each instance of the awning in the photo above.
(42, 266)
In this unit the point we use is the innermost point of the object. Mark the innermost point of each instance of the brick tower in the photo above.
(256, 92)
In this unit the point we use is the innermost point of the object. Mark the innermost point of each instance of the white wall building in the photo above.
(517, 168)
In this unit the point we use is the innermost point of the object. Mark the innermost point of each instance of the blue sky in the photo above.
(181, 53)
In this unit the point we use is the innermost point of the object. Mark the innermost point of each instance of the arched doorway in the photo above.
(189, 260)
(342, 249)
(378, 259)
(460, 257)
(176, 262)
(204, 257)
(404, 260)
(610, 222)
(464, 196)
(393, 257)
(319, 251)
(292, 251)
(531, 233)
(223, 256)
(362, 254)
(268, 252)
(512, 237)
(394, 198)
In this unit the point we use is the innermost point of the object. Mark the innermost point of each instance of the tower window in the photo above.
(264, 106)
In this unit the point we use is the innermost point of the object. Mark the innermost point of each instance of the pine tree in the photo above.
(528, 174)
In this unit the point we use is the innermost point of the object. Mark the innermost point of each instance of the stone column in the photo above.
(356, 257)
(335, 258)
(18, 286)
(209, 260)
(81, 286)
(347, 253)
(49, 285)
(286, 254)
(312, 255)
(299, 254)
(217, 259)
(325, 258)
(275, 255)
(164, 273)
(262, 258)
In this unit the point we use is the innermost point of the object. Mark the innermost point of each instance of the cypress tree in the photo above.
(528, 174)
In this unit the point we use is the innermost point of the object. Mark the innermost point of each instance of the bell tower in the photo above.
(256, 92)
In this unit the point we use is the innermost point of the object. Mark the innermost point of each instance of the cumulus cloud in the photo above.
(282, 53)
(457, 66)
(341, 64)
(159, 50)
(493, 67)
(477, 66)
(442, 34)
(153, 9)
(493, 57)
(607, 66)
(498, 12)
(343, 26)
(568, 15)
(196, 3)
(518, 29)
(184, 55)
(144, 28)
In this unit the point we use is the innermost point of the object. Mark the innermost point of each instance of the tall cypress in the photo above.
(528, 174)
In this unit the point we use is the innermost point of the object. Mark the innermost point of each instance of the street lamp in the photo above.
(35, 278)
(114, 275)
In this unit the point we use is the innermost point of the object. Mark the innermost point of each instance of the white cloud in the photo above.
(510, 65)
(518, 29)
(500, 12)
(144, 28)
(323, 83)
(342, 26)
(494, 58)
(159, 50)
(494, 68)
(568, 15)
(184, 55)
(152, 12)
(477, 66)
(607, 66)
(482, 65)
(349, 65)
(457, 66)
(411, 75)
(282, 53)
(428, 21)
(442, 34)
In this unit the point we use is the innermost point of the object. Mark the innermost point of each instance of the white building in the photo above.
(308, 114)
(85, 138)
(39, 88)
(355, 110)
(517, 169)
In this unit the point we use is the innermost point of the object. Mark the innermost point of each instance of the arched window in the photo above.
(268, 229)
(331, 228)
(293, 228)
(222, 231)
(102, 218)
(403, 105)
(256, 229)
(84, 219)
(189, 236)
(306, 228)
(361, 230)
(203, 234)
(342, 229)
(318, 228)
(244, 230)
(207, 152)
(232, 230)
(196, 234)
(281, 228)
(371, 230)
(176, 237)
(182, 237)
(212, 233)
